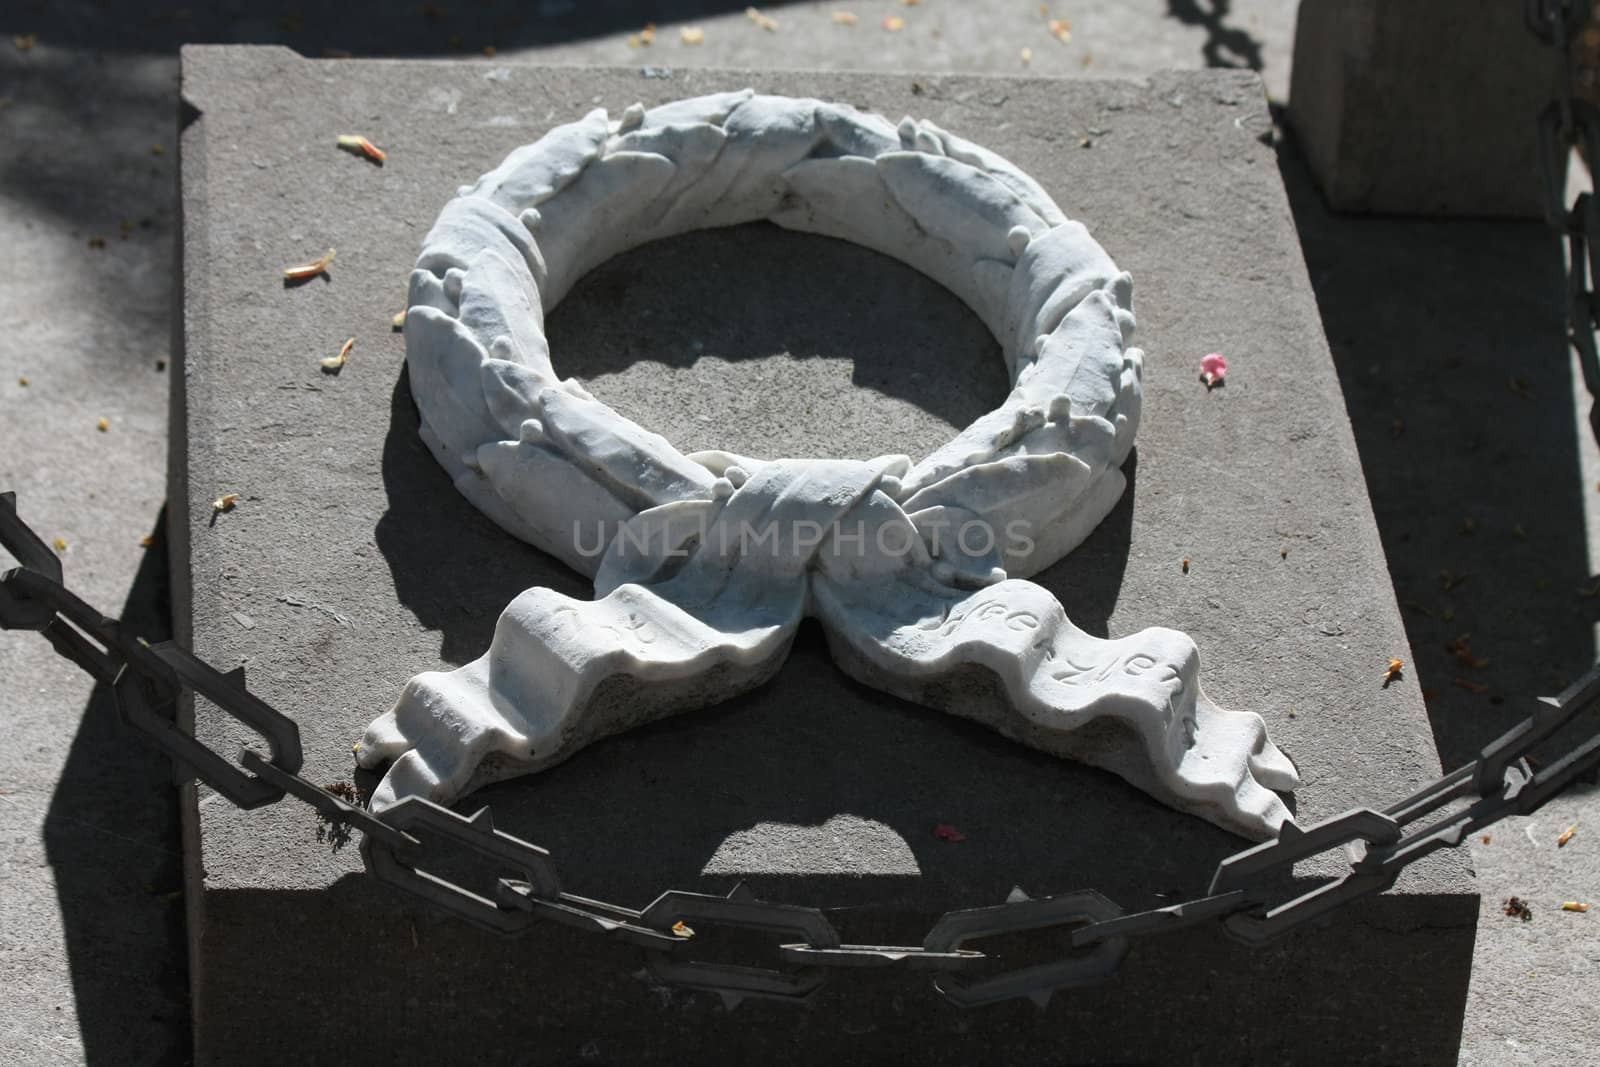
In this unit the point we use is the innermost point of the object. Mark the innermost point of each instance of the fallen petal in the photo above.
(311, 269)
(336, 363)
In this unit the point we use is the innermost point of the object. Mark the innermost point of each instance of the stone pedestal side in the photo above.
(1422, 107)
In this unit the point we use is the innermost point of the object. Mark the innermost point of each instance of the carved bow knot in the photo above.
(698, 600)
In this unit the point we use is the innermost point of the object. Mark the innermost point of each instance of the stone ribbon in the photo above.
(704, 565)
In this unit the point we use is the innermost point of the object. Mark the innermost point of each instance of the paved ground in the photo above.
(1446, 336)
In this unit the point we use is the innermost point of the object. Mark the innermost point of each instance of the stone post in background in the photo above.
(1422, 107)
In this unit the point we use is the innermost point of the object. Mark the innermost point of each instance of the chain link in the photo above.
(523, 887)
(1569, 122)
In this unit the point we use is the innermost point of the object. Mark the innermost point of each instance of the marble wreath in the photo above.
(705, 564)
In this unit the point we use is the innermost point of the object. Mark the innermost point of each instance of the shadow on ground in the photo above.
(357, 28)
(1225, 46)
(96, 71)
(111, 835)
(1451, 349)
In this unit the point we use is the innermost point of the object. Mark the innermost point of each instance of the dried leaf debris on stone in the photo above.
(310, 269)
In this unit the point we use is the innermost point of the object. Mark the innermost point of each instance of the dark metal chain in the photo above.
(1568, 122)
(527, 890)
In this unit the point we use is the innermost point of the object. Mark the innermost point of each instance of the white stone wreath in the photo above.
(705, 564)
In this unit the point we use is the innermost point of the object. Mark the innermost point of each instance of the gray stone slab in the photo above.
(1422, 108)
(322, 583)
